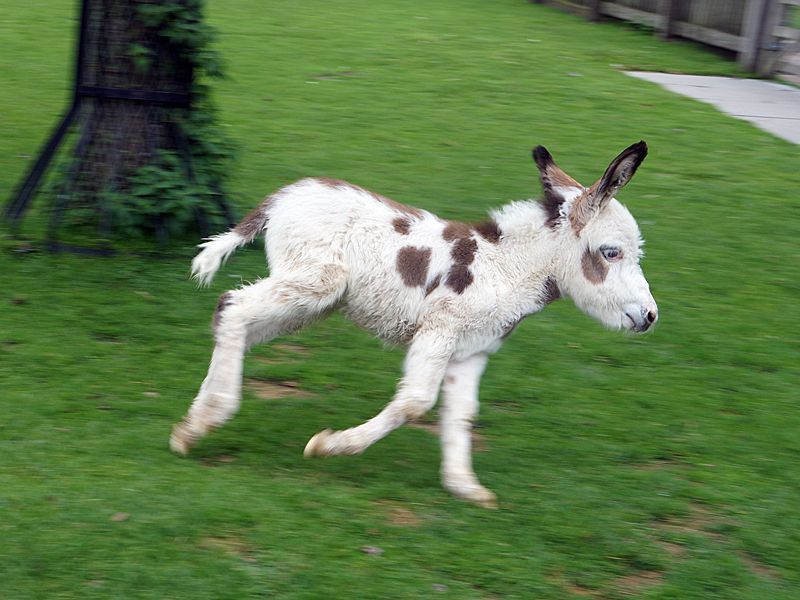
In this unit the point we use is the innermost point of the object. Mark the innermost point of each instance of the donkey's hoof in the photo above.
(482, 497)
(485, 499)
(316, 445)
(473, 492)
(181, 440)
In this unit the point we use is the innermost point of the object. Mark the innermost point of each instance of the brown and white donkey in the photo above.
(449, 290)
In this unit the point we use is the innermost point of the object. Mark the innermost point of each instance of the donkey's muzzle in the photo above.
(641, 320)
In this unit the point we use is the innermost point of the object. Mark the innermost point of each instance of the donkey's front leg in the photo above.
(459, 407)
(424, 368)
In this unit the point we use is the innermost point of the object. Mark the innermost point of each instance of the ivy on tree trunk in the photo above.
(148, 156)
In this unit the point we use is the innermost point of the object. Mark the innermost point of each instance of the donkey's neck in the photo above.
(521, 220)
(529, 251)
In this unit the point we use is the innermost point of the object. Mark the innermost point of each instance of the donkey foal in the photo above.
(451, 291)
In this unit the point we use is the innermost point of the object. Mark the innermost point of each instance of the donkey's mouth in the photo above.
(637, 326)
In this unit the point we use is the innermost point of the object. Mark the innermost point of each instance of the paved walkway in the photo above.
(773, 107)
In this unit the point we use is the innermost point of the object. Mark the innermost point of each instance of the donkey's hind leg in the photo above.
(246, 317)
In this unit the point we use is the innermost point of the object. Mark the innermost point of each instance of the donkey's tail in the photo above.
(216, 250)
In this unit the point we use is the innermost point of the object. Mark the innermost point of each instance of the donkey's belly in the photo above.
(392, 315)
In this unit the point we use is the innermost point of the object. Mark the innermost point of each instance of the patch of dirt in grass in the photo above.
(579, 590)
(632, 585)
(479, 443)
(673, 549)
(291, 348)
(659, 464)
(757, 567)
(215, 461)
(635, 583)
(289, 353)
(399, 515)
(699, 521)
(267, 389)
(335, 75)
(106, 338)
(230, 545)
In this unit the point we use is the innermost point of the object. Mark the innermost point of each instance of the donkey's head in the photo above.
(600, 245)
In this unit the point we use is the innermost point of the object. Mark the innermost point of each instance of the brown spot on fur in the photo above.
(456, 230)
(594, 267)
(508, 329)
(408, 210)
(331, 182)
(489, 230)
(552, 206)
(550, 292)
(401, 208)
(463, 252)
(255, 221)
(459, 278)
(433, 285)
(402, 225)
(581, 210)
(225, 300)
(552, 177)
(412, 264)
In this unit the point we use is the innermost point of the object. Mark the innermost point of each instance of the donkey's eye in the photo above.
(610, 253)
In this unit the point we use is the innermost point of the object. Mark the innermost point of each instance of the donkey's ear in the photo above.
(555, 182)
(618, 173)
(550, 173)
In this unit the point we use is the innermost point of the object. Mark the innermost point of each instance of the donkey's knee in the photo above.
(225, 300)
(242, 318)
(414, 408)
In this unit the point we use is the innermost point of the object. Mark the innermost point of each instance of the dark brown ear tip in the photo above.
(637, 150)
(542, 157)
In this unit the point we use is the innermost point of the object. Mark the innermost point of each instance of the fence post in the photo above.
(594, 10)
(670, 16)
(755, 14)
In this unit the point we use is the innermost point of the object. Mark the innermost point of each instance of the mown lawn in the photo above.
(662, 466)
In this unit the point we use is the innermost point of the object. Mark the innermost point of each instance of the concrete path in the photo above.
(773, 107)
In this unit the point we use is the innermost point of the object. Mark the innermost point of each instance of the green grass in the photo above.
(662, 466)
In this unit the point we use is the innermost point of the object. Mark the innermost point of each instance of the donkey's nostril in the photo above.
(651, 316)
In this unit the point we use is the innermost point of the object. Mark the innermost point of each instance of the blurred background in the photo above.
(661, 466)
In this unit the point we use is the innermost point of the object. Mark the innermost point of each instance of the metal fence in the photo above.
(764, 34)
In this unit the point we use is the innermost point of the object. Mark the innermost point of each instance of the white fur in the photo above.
(206, 264)
(333, 245)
